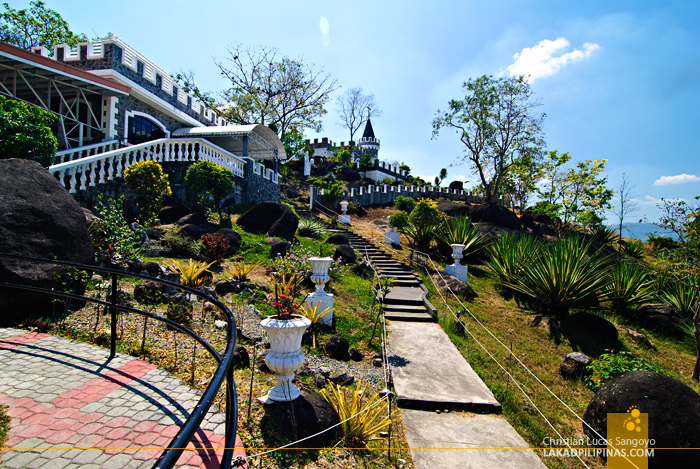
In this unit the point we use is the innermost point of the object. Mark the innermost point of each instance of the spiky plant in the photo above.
(370, 415)
(683, 296)
(311, 228)
(459, 230)
(509, 253)
(629, 286)
(564, 277)
(312, 313)
(604, 234)
(634, 249)
(240, 270)
(193, 273)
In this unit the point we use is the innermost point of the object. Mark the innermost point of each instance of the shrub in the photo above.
(179, 313)
(564, 277)
(659, 243)
(193, 273)
(310, 228)
(604, 234)
(151, 186)
(209, 180)
(607, 366)
(634, 249)
(424, 220)
(459, 230)
(240, 270)
(181, 245)
(214, 246)
(399, 220)
(405, 204)
(507, 255)
(296, 262)
(115, 230)
(388, 180)
(312, 313)
(25, 132)
(683, 296)
(629, 286)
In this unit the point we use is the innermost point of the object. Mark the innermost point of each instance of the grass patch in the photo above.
(4, 424)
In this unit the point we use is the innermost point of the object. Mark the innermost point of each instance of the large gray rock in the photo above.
(673, 408)
(271, 218)
(497, 215)
(38, 218)
(345, 253)
(449, 284)
(662, 317)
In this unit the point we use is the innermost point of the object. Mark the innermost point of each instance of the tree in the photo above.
(521, 179)
(151, 186)
(210, 180)
(624, 203)
(441, 177)
(294, 144)
(38, 26)
(498, 124)
(355, 108)
(25, 132)
(274, 91)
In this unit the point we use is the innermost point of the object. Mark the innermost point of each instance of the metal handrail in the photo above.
(177, 445)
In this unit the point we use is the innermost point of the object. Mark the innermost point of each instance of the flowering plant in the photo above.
(283, 302)
(296, 262)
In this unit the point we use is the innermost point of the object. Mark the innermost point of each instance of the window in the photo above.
(141, 129)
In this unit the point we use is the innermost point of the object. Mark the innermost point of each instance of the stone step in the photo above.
(404, 309)
(413, 317)
(406, 283)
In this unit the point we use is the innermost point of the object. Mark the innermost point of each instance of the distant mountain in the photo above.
(641, 230)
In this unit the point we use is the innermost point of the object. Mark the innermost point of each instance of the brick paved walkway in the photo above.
(73, 407)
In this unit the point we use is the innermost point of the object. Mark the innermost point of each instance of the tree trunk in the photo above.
(696, 369)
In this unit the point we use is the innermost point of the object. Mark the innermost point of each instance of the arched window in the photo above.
(141, 129)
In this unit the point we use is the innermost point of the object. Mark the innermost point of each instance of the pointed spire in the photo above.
(369, 131)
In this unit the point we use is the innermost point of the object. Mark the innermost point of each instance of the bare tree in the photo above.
(355, 108)
(275, 91)
(625, 205)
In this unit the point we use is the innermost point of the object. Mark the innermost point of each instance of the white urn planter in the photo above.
(285, 355)
(344, 218)
(457, 270)
(319, 275)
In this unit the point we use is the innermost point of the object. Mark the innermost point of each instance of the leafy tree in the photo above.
(25, 132)
(498, 124)
(344, 156)
(274, 91)
(405, 167)
(151, 186)
(441, 177)
(521, 180)
(353, 106)
(365, 163)
(294, 144)
(209, 180)
(38, 26)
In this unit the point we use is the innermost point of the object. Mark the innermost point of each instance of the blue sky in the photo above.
(618, 80)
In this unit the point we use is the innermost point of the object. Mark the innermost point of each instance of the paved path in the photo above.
(73, 407)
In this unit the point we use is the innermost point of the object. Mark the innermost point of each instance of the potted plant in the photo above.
(285, 330)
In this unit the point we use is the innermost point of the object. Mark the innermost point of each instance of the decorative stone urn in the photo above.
(285, 355)
(457, 270)
(319, 275)
(344, 218)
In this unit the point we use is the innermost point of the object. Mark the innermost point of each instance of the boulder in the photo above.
(338, 239)
(590, 327)
(89, 216)
(279, 248)
(234, 240)
(150, 292)
(573, 365)
(346, 253)
(363, 269)
(662, 317)
(305, 416)
(457, 185)
(355, 355)
(224, 287)
(337, 347)
(346, 173)
(552, 325)
(447, 282)
(193, 219)
(637, 337)
(172, 213)
(39, 218)
(290, 191)
(343, 379)
(260, 363)
(673, 414)
(497, 215)
(452, 208)
(195, 231)
(153, 268)
(271, 218)
(240, 356)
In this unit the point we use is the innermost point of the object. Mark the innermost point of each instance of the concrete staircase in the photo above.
(407, 300)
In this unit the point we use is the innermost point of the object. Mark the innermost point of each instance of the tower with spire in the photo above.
(369, 144)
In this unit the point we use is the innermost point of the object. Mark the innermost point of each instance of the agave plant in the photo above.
(193, 273)
(604, 234)
(629, 286)
(312, 313)
(683, 296)
(311, 228)
(509, 253)
(564, 277)
(459, 230)
(421, 235)
(634, 249)
(240, 270)
(369, 416)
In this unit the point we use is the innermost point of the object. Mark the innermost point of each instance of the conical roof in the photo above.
(369, 131)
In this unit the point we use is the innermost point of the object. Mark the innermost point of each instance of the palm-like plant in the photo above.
(459, 230)
(509, 253)
(564, 277)
(240, 270)
(604, 234)
(683, 296)
(629, 286)
(369, 416)
(634, 249)
(193, 273)
(421, 235)
(311, 228)
(312, 313)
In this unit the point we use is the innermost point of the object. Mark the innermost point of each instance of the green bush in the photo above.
(211, 182)
(629, 286)
(399, 220)
(459, 230)
(405, 204)
(683, 296)
(564, 277)
(659, 243)
(25, 132)
(181, 246)
(180, 313)
(607, 366)
(151, 186)
(115, 231)
(507, 255)
(633, 249)
(310, 228)
(604, 234)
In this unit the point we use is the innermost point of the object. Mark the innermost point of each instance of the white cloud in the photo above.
(679, 179)
(653, 201)
(538, 61)
(460, 178)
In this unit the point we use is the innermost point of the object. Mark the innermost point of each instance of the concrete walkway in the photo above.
(73, 407)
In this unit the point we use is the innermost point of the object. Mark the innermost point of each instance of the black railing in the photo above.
(224, 371)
